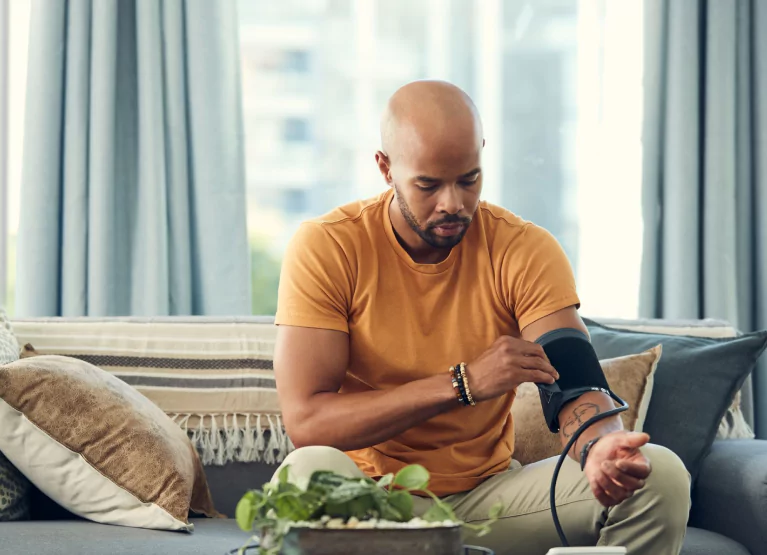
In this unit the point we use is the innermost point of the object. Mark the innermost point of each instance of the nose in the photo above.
(450, 200)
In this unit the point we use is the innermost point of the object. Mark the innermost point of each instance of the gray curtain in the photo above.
(133, 193)
(705, 166)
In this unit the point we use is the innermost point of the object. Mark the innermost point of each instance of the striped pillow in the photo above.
(214, 378)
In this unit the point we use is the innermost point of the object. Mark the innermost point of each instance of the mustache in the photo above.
(447, 220)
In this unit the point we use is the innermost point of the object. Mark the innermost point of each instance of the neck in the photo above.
(419, 250)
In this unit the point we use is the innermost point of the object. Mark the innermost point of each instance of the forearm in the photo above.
(357, 420)
(578, 411)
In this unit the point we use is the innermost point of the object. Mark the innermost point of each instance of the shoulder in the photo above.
(510, 232)
(516, 241)
(341, 234)
(347, 222)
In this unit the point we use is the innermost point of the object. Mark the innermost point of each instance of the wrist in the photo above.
(584, 452)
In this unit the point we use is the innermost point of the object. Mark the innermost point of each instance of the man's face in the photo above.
(438, 191)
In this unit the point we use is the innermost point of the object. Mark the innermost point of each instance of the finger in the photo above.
(622, 479)
(611, 488)
(600, 495)
(536, 376)
(533, 350)
(639, 470)
(633, 440)
(535, 363)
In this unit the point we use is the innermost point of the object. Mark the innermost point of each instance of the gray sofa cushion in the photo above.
(731, 497)
(80, 537)
(703, 542)
(695, 382)
(211, 537)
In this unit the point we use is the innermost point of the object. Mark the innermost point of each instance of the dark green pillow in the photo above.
(694, 384)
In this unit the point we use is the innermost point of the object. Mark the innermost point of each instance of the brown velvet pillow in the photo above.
(630, 377)
(98, 447)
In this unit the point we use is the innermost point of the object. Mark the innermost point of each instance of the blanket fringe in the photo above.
(224, 438)
(734, 426)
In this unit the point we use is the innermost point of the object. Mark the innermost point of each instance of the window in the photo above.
(295, 130)
(558, 84)
(14, 36)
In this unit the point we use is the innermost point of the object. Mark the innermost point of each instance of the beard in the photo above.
(426, 231)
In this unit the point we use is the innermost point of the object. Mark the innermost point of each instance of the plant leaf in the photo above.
(244, 513)
(440, 511)
(349, 490)
(412, 477)
(385, 481)
(284, 474)
(495, 511)
(402, 502)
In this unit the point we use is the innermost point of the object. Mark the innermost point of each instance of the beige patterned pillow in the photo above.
(630, 377)
(97, 446)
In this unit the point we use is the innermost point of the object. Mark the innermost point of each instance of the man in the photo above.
(379, 299)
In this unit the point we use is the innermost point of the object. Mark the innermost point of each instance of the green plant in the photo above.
(272, 510)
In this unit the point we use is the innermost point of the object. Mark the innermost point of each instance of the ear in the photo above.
(384, 166)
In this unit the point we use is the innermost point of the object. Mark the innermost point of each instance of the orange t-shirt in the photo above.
(346, 271)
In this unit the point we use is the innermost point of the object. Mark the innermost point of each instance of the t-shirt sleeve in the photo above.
(541, 279)
(315, 282)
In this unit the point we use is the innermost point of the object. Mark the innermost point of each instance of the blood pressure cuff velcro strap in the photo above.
(571, 354)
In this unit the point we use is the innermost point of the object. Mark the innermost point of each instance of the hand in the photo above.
(616, 468)
(506, 364)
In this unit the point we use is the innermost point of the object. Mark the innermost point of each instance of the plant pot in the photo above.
(417, 541)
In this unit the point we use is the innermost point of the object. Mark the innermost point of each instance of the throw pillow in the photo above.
(9, 346)
(734, 424)
(14, 488)
(695, 383)
(630, 377)
(97, 447)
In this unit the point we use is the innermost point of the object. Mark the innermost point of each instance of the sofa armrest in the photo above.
(730, 496)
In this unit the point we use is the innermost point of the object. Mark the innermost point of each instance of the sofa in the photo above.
(728, 517)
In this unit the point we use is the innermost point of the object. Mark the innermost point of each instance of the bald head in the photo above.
(428, 117)
(431, 155)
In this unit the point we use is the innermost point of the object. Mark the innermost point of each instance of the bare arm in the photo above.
(310, 365)
(578, 411)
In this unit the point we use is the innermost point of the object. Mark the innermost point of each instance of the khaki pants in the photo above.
(652, 522)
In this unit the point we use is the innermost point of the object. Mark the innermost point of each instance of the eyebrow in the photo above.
(427, 179)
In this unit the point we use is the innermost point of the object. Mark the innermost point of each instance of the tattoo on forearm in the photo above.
(578, 417)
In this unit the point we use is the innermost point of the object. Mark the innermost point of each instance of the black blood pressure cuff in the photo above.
(571, 354)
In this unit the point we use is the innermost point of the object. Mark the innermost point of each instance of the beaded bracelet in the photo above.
(461, 384)
(456, 385)
(466, 384)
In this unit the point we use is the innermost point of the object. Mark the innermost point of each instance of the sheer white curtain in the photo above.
(14, 39)
(609, 157)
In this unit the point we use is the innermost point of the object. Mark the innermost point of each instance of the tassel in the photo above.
(208, 453)
(253, 442)
(274, 446)
(232, 439)
(217, 441)
(248, 448)
(740, 428)
(260, 441)
(282, 440)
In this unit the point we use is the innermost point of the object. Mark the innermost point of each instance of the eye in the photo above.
(426, 188)
(467, 183)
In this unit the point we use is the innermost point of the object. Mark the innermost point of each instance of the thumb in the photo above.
(634, 440)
